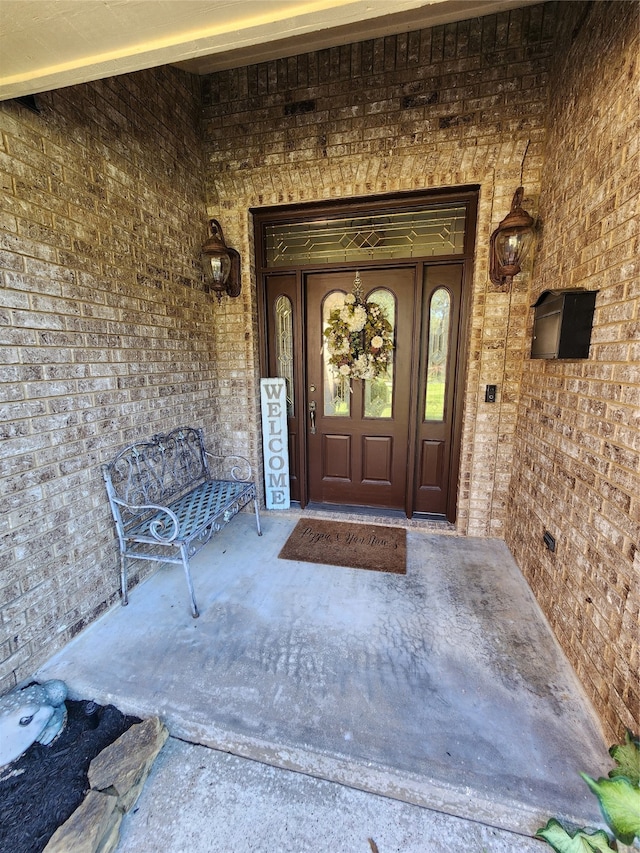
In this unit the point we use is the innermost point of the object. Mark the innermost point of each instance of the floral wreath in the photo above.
(359, 337)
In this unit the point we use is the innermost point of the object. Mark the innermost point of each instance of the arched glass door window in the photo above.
(337, 396)
(378, 392)
(437, 355)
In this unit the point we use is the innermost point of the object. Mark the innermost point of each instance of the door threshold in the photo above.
(348, 509)
(420, 521)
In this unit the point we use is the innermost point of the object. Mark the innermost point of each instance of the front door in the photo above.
(358, 429)
(391, 441)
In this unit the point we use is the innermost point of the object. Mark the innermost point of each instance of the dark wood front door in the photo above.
(358, 430)
(394, 442)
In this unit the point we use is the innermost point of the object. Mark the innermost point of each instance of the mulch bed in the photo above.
(41, 790)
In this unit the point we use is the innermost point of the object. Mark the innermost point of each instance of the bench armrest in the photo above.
(240, 471)
(164, 527)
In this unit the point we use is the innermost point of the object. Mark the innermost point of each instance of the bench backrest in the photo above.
(156, 471)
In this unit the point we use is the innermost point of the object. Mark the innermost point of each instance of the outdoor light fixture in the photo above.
(221, 264)
(510, 242)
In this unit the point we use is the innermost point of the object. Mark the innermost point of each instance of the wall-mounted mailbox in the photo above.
(562, 324)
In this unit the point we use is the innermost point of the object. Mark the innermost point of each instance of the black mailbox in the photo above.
(563, 322)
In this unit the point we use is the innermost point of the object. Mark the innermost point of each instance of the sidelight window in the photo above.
(283, 311)
(437, 354)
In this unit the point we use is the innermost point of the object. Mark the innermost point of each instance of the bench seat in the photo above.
(205, 506)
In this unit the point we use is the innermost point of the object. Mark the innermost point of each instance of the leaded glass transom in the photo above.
(405, 234)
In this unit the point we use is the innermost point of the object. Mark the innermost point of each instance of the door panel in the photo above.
(376, 458)
(357, 454)
(336, 457)
(441, 300)
(431, 464)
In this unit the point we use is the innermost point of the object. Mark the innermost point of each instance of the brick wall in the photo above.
(577, 471)
(106, 334)
(452, 105)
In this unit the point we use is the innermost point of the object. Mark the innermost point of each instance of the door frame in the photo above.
(265, 216)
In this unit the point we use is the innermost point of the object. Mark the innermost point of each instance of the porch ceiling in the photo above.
(48, 44)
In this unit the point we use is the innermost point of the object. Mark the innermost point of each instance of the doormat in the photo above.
(356, 546)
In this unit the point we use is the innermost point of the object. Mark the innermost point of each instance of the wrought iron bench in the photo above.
(165, 503)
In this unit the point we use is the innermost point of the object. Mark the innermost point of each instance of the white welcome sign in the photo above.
(275, 443)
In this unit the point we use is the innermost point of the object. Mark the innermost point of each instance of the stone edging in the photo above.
(116, 778)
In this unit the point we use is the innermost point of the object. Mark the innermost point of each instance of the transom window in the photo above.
(378, 236)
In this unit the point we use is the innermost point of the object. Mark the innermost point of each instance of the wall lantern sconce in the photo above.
(221, 264)
(510, 242)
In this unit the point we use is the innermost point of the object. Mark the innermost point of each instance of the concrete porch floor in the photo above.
(440, 696)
